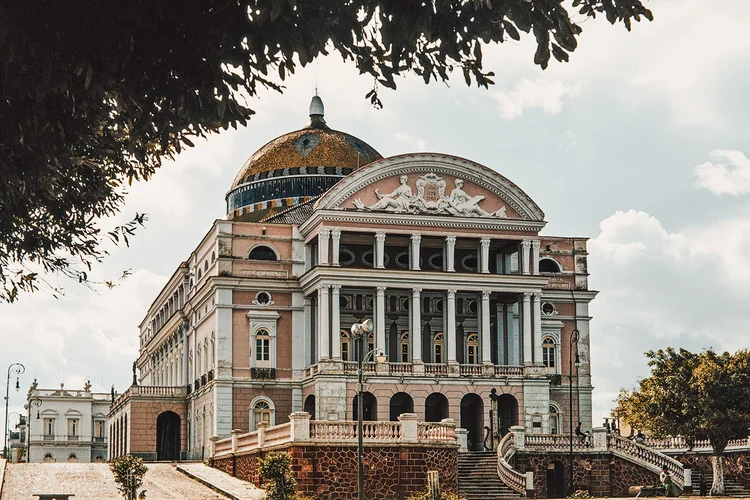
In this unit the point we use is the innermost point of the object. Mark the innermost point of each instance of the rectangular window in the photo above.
(472, 357)
(345, 351)
(73, 427)
(404, 352)
(49, 427)
(438, 353)
(262, 349)
(99, 429)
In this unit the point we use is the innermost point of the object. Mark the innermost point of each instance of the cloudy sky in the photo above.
(641, 143)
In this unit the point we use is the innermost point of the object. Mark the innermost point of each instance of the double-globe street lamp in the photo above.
(573, 342)
(18, 369)
(359, 332)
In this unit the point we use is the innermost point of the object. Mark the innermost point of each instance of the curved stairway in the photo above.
(478, 479)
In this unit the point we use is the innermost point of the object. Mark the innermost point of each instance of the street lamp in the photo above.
(32, 403)
(18, 369)
(573, 342)
(359, 332)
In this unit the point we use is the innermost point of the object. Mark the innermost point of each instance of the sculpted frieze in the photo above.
(430, 198)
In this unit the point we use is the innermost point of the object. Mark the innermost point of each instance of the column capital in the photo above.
(416, 237)
(324, 288)
(451, 294)
(527, 296)
(415, 292)
(335, 288)
(451, 240)
(380, 236)
(335, 234)
(526, 244)
(536, 244)
(485, 242)
(324, 232)
(486, 294)
(381, 290)
(537, 296)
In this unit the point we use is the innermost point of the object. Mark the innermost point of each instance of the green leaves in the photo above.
(128, 472)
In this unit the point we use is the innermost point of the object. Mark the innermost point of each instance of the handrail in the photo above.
(508, 475)
(553, 442)
(647, 457)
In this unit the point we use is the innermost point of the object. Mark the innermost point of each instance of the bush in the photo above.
(129, 471)
(276, 472)
(581, 494)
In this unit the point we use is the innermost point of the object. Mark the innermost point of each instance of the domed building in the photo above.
(478, 317)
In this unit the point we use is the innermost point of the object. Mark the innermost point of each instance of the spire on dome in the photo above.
(316, 113)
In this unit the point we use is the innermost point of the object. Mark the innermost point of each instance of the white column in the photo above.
(450, 254)
(485, 243)
(185, 363)
(335, 322)
(526, 318)
(537, 312)
(416, 324)
(308, 332)
(523, 256)
(380, 319)
(450, 330)
(380, 250)
(324, 324)
(336, 237)
(323, 236)
(415, 241)
(535, 244)
(485, 331)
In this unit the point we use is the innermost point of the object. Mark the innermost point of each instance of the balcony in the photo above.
(47, 437)
(73, 438)
(263, 373)
(404, 370)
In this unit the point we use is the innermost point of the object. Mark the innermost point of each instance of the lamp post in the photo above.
(32, 403)
(359, 332)
(18, 369)
(573, 342)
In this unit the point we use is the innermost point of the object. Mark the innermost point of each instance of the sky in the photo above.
(639, 143)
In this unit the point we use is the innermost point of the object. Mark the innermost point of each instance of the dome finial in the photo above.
(316, 112)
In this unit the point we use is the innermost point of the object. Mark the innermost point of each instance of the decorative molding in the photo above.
(436, 164)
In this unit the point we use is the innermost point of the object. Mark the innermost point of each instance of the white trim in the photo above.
(261, 319)
(251, 410)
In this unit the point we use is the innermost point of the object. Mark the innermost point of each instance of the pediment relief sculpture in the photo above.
(430, 199)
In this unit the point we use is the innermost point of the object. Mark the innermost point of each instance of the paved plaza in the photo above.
(95, 482)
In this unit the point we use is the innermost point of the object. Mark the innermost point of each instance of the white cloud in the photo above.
(728, 172)
(626, 236)
(412, 142)
(539, 93)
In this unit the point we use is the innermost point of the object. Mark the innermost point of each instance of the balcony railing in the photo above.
(73, 438)
(258, 373)
(409, 370)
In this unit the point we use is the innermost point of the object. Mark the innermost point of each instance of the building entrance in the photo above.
(472, 419)
(168, 436)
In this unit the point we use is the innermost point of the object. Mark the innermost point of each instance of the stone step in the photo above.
(478, 479)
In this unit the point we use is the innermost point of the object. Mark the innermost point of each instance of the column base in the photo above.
(382, 369)
(454, 369)
(417, 367)
(488, 369)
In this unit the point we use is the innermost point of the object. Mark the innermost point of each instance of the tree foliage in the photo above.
(276, 472)
(701, 395)
(128, 472)
(94, 95)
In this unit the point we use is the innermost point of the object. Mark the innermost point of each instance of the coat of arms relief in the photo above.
(430, 199)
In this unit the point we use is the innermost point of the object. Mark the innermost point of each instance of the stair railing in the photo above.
(508, 475)
(646, 457)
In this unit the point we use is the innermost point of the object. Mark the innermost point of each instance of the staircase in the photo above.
(478, 479)
(732, 488)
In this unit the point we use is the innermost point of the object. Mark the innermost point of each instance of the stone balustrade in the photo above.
(678, 444)
(508, 475)
(301, 430)
(420, 369)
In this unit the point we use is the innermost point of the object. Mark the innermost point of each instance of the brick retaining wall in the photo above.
(330, 472)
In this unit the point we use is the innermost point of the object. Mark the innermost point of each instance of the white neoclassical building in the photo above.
(444, 255)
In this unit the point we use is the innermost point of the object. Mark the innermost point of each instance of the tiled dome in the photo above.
(296, 167)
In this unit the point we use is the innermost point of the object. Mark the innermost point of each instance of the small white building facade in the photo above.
(67, 425)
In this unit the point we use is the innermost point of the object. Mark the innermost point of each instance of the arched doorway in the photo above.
(168, 436)
(435, 407)
(507, 410)
(369, 407)
(472, 419)
(401, 402)
(555, 480)
(309, 406)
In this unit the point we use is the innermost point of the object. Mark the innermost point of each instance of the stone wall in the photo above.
(601, 474)
(736, 466)
(330, 472)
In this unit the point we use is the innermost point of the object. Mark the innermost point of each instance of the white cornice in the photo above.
(570, 295)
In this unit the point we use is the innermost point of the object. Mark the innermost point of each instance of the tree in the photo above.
(694, 395)
(94, 95)
(276, 472)
(128, 472)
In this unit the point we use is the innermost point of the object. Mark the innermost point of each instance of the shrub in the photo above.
(581, 494)
(129, 471)
(276, 472)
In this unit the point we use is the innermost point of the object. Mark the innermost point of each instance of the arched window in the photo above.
(438, 347)
(48, 458)
(548, 352)
(549, 266)
(346, 345)
(72, 458)
(262, 347)
(404, 347)
(262, 411)
(263, 252)
(555, 420)
(472, 349)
